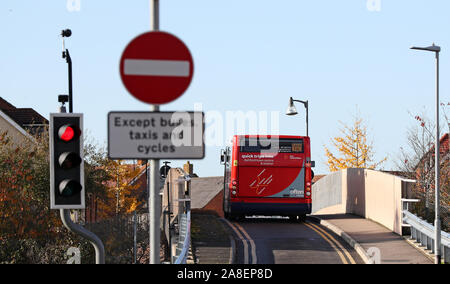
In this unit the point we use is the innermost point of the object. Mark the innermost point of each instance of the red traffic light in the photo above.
(68, 133)
(67, 185)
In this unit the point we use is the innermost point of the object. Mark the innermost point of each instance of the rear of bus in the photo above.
(269, 175)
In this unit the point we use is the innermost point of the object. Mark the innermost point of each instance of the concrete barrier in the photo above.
(367, 193)
(327, 193)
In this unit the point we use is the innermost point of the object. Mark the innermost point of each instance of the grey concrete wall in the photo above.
(355, 198)
(327, 192)
(371, 194)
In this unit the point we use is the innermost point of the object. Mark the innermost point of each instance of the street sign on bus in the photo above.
(156, 67)
(156, 135)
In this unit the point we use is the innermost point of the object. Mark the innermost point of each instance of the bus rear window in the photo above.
(255, 145)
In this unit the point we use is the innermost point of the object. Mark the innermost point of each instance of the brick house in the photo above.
(425, 170)
(427, 161)
(20, 123)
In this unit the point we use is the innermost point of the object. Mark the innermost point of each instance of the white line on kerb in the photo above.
(149, 67)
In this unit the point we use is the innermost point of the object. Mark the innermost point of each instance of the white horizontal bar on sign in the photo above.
(149, 67)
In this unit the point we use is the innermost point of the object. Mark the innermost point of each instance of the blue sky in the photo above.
(249, 55)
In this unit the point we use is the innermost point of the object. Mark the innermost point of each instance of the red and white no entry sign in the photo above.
(156, 67)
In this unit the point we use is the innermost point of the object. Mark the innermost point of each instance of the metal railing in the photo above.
(177, 215)
(184, 239)
(424, 233)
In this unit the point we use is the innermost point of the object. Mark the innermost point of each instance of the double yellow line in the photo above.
(337, 246)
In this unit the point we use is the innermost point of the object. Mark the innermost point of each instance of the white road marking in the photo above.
(148, 67)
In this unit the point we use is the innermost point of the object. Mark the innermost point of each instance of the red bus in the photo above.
(267, 175)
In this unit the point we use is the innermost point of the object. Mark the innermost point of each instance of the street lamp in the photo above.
(437, 222)
(292, 110)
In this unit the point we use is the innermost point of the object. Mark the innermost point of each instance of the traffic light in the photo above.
(66, 161)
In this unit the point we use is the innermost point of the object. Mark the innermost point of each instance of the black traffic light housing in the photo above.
(66, 161)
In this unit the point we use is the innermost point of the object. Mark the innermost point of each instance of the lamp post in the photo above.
(437, 222)
(292, 110)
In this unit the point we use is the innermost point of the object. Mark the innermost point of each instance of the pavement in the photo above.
(373, 241)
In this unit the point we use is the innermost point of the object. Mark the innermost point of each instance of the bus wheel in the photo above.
(239, 217)
(231, 216)
(302, 218)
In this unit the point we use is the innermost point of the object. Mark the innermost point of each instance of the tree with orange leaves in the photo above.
(354, 149)
(120, 187)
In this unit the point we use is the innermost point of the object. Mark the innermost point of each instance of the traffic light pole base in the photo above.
(80, 230)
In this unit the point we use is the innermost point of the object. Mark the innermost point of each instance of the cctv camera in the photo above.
(63, 99)
(66, 33)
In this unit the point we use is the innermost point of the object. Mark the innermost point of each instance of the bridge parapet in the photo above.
(371, 194)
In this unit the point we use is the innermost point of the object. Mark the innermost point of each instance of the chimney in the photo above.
(188, 168)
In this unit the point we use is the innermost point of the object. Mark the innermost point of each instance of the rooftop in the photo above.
(27, 118)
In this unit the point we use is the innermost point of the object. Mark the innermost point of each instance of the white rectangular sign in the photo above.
(156, 135)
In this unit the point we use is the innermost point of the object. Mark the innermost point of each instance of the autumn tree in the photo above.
(29, 231)
(354, 151)
(121, 189)
(112, 182)
(23, 180)
(32, 233)
(417, 158)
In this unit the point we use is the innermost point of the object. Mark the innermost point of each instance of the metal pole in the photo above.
(437, 221)
(135, 237)
(154, 12)
(169, 241)
(307, 124)
(118, 189)
(80, 230)
(306, 104)
(154, 203)
(69, 66)
(154, 211)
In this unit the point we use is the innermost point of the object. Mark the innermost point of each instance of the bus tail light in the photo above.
(234, 184)
(308, 189)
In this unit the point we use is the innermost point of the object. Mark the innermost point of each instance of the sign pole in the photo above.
(156, 68)
(153, 182)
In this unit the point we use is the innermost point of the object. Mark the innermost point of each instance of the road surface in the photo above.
(262, 240)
